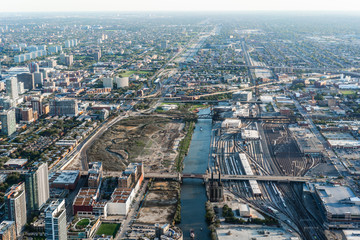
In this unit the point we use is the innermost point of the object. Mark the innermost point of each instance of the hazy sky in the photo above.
(176, 5)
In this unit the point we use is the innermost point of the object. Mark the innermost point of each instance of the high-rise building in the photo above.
(36, 105)
(21, 88)
(6, 103)
(121, 82)
(27, 79)
(55, 221)
(64, 107)
(2, 84)
(97, 55)
(33, 67)
(38, 78)
(7, 230)
(15, 206)
(164, 44)
(37, 186)
(8, 122)
(69, 60)
(12, 88)
(108, 83)
(27, 115)
(51, 63)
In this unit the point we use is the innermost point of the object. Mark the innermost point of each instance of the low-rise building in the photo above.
(66, 179)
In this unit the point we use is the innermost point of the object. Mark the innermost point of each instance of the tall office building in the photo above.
(37, 186)
(55, 221)
(15, 206)
(12, 88)
(8, 122)
(27, 79)
(64, 107)
(7, 230)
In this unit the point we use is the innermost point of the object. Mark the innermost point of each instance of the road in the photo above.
(131, 216)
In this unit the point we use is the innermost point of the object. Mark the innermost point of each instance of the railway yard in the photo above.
(268, 149)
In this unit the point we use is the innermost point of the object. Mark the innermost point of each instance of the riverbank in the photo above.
(193, 192)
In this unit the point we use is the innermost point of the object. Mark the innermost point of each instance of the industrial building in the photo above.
(15, 163)
(248, 171)
(307, 142)
(231, 123)
(243, 96)
(340, 205)
(66, 179)
(64, 107)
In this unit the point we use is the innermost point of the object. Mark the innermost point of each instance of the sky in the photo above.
(177, 5)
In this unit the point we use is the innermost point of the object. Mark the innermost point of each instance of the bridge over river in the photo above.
(224, 177)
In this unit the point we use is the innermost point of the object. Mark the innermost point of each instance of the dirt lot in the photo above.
(160, 203)
(148, 138)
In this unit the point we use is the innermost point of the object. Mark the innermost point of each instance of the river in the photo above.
(193, 193)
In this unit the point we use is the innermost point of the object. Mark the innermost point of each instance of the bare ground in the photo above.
(148, 139)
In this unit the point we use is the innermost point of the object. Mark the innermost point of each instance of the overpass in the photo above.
(224, 177)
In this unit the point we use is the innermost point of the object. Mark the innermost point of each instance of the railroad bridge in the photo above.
(225, 177)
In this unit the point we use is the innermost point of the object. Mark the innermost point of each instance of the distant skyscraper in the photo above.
(69, 60)
(64, 107)
(27, 79)
(37, 186)
(15, 206)
(12, 88)
(7, 230)
(97, 55)
(8, 122)
(38, 78)
(164, 44)
(108, 83)
(34, 67)
(55, 221)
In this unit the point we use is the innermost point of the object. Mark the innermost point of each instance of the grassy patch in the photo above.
(129, 73)
(108, 229)
(184, 145)
(347, 92)
(83, 222)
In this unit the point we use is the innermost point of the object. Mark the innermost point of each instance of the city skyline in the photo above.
(186, 5)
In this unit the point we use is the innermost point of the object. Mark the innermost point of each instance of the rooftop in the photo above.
(338, 200)
(65, 177)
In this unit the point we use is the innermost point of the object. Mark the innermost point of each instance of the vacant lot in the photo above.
(160, 203)
(149, 139)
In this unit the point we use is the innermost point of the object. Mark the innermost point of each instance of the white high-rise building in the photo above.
(122, 82)
(15, 206)
(12, 88)
(108, 83)
(55, 221)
